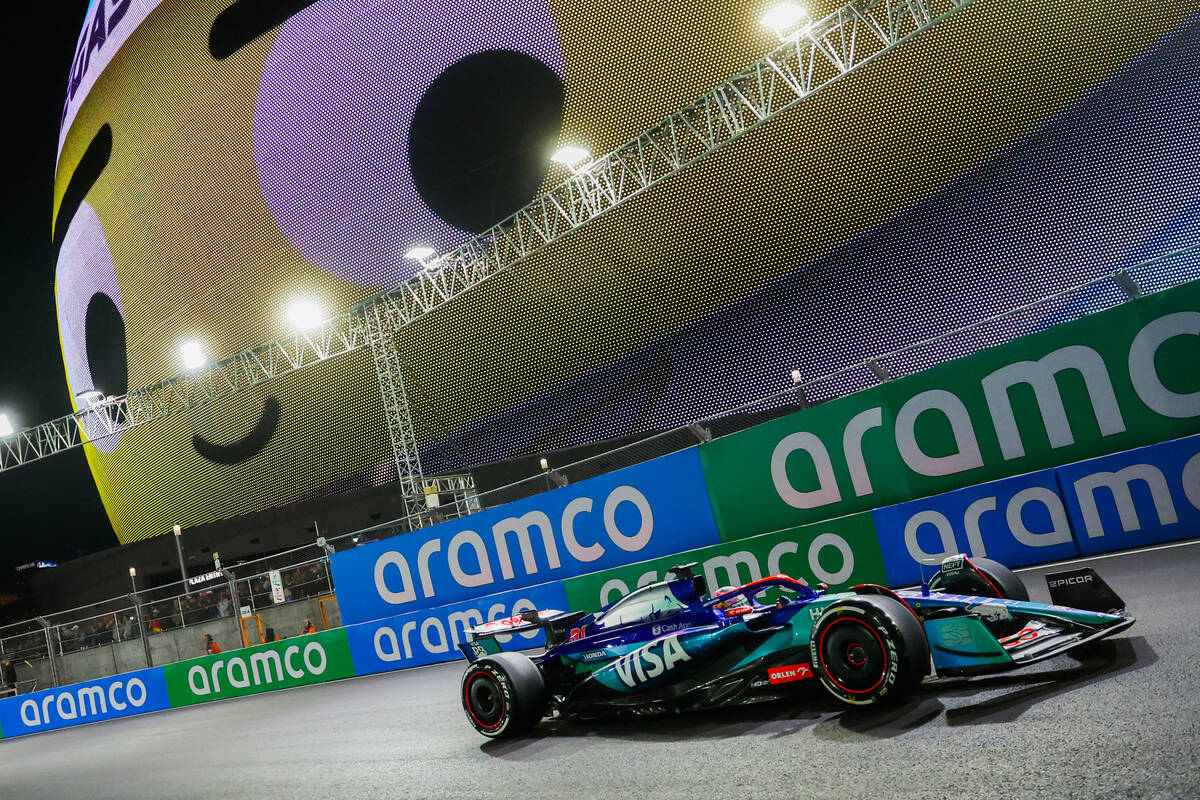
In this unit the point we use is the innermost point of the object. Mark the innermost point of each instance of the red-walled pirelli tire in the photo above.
(503, 695)
(869, 650)
(988, 579)
(993, 579)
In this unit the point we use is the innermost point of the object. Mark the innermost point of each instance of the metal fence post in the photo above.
(141, 622)
(49, 651)
(328, 575)
(237, 606)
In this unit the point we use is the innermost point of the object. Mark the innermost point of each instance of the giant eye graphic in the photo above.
(382, 125)
(91, 320)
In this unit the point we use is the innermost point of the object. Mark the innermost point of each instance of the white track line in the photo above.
(1116, 554)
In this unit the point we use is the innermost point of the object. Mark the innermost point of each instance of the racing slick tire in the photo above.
(997, 581)
(504, 695)
(869, 650)
(993, 579)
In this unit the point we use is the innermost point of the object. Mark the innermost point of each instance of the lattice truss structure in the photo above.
(807, 61)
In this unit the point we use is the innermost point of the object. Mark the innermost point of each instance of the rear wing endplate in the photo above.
(483, 642)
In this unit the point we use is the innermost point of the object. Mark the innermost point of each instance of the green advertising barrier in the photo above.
(841, 552)
(1112, 381)
(300, 661)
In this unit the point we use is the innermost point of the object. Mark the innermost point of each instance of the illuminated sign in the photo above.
(36, 565)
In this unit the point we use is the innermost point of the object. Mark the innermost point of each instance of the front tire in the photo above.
(869, 650)
(504, 695)
(988, 579)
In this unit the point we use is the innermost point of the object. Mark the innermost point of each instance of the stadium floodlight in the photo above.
(90, 398)
(6, 428)
(801, 396)
(571, 155)
(784, 18)
(419, 253)
(304, 315)
(193, 355)
(556, 477)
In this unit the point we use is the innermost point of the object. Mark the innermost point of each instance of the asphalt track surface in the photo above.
(1124, 723)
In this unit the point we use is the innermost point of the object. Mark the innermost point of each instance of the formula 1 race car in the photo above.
(669, 647)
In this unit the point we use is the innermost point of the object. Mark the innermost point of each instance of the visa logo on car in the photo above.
(650, 661)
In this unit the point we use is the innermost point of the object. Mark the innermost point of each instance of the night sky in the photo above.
(51, 509)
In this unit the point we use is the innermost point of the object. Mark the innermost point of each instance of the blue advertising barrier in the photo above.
(92, 701)
(1016, 521)
(433, 635)
(1139, 497)
(651, 509)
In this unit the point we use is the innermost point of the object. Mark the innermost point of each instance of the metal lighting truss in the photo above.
(807, 61)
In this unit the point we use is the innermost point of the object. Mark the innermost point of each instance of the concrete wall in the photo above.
(287, 619)
(177, 644)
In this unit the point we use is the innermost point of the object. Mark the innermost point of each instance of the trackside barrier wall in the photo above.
(91, 701)
(647, 510)
(299, 661)
(1143, 496)
(840, 552)
(1114, 380)
(1016, 521)
(433, 635)
(1147, 495)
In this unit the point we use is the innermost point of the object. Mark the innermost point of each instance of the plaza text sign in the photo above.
(841, 552)
(433, 635)
(300, 661)
(1016, 521)
(1118, 379)
(636, 513)
(91, 701)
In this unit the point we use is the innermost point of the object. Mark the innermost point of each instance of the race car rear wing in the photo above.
(483, 637)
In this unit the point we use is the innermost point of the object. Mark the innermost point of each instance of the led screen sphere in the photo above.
(220, 162)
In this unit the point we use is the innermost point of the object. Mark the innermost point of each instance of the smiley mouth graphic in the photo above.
(249, 445)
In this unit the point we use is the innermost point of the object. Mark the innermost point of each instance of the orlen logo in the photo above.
(650, 661)
(240, 676)
(1074, 579)
(792, 672)
(86, 701)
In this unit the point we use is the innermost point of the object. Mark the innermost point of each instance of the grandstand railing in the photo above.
(305, 571)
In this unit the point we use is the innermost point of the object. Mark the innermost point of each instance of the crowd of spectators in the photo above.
(299, 583)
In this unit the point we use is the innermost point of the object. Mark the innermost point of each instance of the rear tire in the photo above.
(869, 650)
(504, 695)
